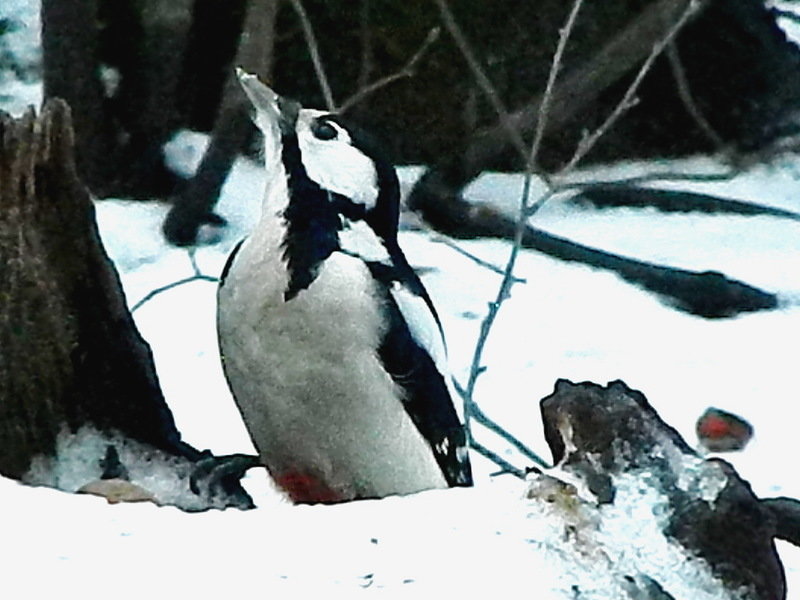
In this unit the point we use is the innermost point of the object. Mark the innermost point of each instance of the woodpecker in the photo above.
(330, 344)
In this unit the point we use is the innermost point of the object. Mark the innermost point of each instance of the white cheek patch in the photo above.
(335, 164)
(358, 239)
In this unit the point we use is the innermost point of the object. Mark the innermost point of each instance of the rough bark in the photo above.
(232, 127)
(69, 351)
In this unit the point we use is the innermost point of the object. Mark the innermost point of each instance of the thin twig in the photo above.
(364, 20)
(500, 462)
(408, 70)
(480, 417)
(152, 294)
(480, 76)
(440, 239)
(685, 93)
(526, 208)
(555, 67)
(629, 98)
(313, 49)
(476, 413)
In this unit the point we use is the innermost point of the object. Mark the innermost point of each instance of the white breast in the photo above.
(307, 378)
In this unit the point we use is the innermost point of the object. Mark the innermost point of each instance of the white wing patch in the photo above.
(358, 239)
(427, 333)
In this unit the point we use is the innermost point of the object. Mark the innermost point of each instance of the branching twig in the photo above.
(440, 239)
(193, 261)
(629, 98)
(198, 276)
(479, 416)
(364, 19)
(152, 294)
(529, 207)
(476, 413)
(525, 209)
(313, 48)
(506, 466)
(480, 76)
(685, 93)
(408, 70)
(555, 67)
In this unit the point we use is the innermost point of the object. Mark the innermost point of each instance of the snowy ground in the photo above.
(566, 321)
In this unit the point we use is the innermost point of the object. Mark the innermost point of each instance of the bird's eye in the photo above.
(323, 130)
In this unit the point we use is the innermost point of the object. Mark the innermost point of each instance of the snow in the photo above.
(20, 57)
(567, 321)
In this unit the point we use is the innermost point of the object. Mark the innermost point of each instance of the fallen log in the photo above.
(708, 294)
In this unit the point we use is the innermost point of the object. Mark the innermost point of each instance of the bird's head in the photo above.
(334, 155)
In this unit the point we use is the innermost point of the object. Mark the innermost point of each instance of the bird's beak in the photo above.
(266, 102)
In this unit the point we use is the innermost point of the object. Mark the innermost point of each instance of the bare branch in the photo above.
(786, 14)
(479, 416)
(629, 98)
(152, 294)
(506, 466)
(198, 276)
(364, 21)
(440, 239)
(579, 87)
(482, 79)
(555, 67)
(685, 93)
(313, 49)
(526, 208)
(408, 70)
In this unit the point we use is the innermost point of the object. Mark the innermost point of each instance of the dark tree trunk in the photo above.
(71, 71)
(232, 127)
(70, 353)
(145, 41)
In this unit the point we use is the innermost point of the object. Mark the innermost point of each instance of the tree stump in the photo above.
(70, 354)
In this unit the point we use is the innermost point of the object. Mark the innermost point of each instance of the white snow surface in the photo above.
(567, 321)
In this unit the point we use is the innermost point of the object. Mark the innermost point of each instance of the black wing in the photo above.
(410, 362)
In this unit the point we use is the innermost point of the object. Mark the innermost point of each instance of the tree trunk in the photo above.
(70, 353)
(194, 206)
(146, 42)
(71, 71)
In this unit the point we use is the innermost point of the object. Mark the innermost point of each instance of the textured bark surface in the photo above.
(69, 351)
(599, 433)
